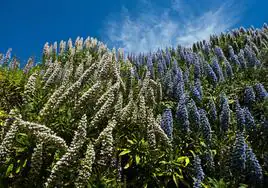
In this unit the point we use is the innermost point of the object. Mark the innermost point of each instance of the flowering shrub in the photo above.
(88, 116)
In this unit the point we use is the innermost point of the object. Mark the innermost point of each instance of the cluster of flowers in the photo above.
(103, 91)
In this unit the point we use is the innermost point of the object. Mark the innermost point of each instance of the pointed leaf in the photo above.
(137, 159)
(126, 151)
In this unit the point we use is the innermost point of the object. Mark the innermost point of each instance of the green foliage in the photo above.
(85, 117)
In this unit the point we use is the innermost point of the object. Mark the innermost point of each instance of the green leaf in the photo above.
(130, 141)
(18, 170)
(9, 169)
(137, 159)
(204, 185)
(183, 159)
(163, 162)
(128, 164)
(24, 164)
(187, 161)
(126, 151)
(175, 180)
(203, 144)
(178, 175)
(192, 152)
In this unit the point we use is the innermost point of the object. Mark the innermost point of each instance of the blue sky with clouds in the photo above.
(135, 25)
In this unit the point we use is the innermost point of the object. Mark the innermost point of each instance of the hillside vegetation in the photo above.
(88, 116)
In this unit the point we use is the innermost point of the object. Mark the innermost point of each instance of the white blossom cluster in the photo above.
(49, 70)
(52, 100)
(70, 157)
(156, 128)
(87, 96)
(52, 78)
(85, 169)
(62, 47)
(128, 109)
(29, 88)
(79, 71)
(36, 161)
(7, 142)
(42, 133)
(105, 141)
(105, 110)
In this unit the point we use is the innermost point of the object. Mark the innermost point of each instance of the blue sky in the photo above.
(135, 25)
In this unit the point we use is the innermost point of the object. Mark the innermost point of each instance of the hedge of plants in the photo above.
(88, 116)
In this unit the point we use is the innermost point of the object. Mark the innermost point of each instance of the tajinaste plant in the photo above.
(42, 133)
(62, 47)
(240, 117)
(67, 73)
(88, 96)
(46, 110)
(50, 68)
(228, 69)
(249, 120)
(30, 87)
(46, 51)
(167, 123)
(8, 141)
(79, 71)
(195, 94)
(219, 53)
(105, 66)
(197, 70)
(105, 110)
(71, 157)
(211, 76)
(251, 58)
(199, 173)
(118, 106)
(205, 126)
(198, 85)
(28, 66)
(159, 133)
(182, 115)
(179, 90)
(104, 97)
(241, 59)
(194, 116)
(261, 92)
(249, 96)
(74, 87)
(150, 97)
(36, 163)
(239, 154)
(209, 163)
(142, 104)
(105, 142)
(151, 136)
(186, 76)
(212, 111)
(225, 115)
(53, 77)
(127, 110)
(254, 168)
(85, 169)
(217, 69)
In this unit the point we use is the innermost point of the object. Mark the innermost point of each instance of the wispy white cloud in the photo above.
(151, 28)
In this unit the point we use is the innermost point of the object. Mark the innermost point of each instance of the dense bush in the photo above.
(88, 116)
